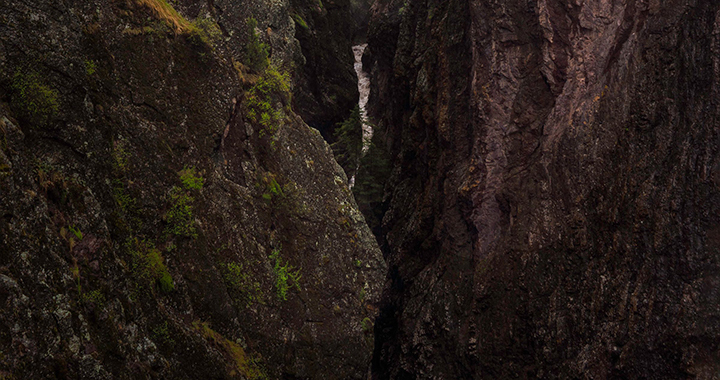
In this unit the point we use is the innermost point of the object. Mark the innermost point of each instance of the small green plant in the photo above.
(366, 325)
(262, 99)
(149, 265)
(256, 52)
(190, 179)
(273, 190)
(34, 99)
(180, 218)
(239, 280)
(90, 67)
(161, 333)
(357, 263)
(76, 231)
(285, 275)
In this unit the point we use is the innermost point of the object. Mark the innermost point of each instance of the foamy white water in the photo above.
(364, 89)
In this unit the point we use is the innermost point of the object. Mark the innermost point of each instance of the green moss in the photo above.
(204, 30)
(179, 218)
(285, 275)
(33, 98)
(96, 297)
(190, 179)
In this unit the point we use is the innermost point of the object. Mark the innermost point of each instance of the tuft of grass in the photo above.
(245, 364)
(300, 21)
(367, 325)
(168, 14)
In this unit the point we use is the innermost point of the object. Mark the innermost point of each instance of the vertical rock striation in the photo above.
(553, 207)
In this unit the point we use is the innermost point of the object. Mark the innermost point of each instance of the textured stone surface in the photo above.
(137, 102)
(553, 209)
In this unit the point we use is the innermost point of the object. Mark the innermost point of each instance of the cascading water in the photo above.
(364, 89)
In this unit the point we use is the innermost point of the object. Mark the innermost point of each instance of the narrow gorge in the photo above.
(359, 189)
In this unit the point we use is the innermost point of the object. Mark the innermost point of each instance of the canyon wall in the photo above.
(552, 210)
(164, 212)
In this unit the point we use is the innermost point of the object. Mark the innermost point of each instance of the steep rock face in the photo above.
(150, 226)
(553, 208)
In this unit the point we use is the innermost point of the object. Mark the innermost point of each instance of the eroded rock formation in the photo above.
(163, 211)
(553, 208)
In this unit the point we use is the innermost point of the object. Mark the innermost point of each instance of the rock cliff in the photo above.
(553, 205)
(164, 212)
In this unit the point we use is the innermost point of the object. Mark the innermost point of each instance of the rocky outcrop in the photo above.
(163, 211)
(552, 211)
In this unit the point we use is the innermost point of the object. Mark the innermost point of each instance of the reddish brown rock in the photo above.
(552, 211)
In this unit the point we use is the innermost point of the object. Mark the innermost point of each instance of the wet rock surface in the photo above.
(149, 228)
(552, 211)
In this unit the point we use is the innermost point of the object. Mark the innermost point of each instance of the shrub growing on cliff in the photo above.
(349, 144)
(256, 52)
(32, 98)
(261, 101)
